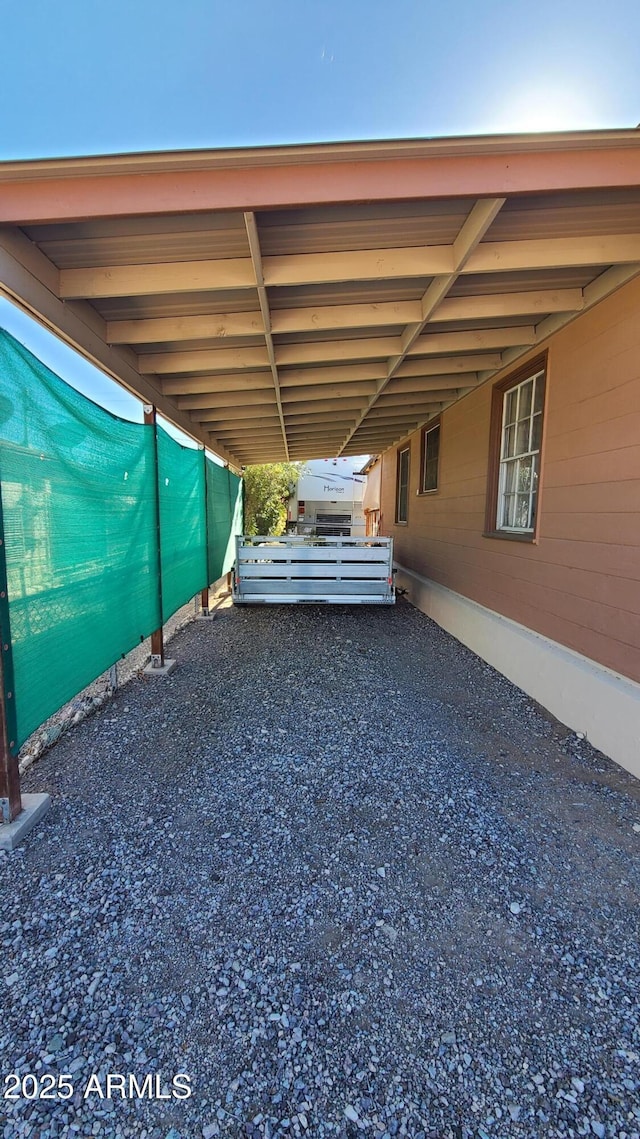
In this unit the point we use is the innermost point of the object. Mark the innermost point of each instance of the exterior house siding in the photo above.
(579, 582)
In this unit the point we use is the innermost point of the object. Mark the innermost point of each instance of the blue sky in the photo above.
(98, 76)
(107, 76)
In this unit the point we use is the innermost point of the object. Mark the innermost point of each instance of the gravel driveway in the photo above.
(343, 876)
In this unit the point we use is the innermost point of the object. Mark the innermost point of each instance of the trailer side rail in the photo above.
(295, 569)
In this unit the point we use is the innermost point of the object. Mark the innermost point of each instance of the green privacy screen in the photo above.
(78, 501)
(81, 494)
(183, 535)
(224, 518)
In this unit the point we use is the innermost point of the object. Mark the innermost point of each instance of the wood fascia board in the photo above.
(27, 277)
(260, 178)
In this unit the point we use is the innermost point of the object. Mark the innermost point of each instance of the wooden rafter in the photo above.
(256, 258)
(480, 218)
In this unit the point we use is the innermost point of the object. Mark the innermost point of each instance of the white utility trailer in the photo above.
(295, 569)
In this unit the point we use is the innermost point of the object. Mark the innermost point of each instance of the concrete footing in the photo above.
(166, 670)
(33, 809)
(205, 616)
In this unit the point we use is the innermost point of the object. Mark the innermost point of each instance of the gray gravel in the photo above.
(345, 877)
(101, 690)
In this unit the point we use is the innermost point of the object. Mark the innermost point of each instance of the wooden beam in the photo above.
(328, 317)
(408, 399)
(320, 422)
(326, 427)
(152, 280)
(440, 342)
(357, 265)
(228, 415)
(329, 439)
(341, 373)
(490, 305)
(202, 360)
(418, 384)
(256, 258)
(451, 364)
(258, 399)
(222, 382)
(313, 352)
(240, 429)
(331, 405)
(247, 440)
(410, 411)
(327, 391)
(258, 460)
(167, 328)
(554, 253)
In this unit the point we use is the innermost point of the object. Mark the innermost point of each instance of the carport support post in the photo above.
(10, 800)
(204, 596)
(157, 638)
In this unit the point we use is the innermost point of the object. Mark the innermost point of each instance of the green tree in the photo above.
(267, 489)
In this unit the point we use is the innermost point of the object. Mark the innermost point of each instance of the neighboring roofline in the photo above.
(370, 463)
(152, 162)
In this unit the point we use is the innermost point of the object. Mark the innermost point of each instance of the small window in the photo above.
(516, 439)
(402, 498)
(430, 457)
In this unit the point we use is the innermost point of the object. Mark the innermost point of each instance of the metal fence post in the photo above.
(204, 596)
(157, 637)
(10, 798)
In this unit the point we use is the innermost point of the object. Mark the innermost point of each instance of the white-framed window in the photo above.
(520, 440)
(430, 457)
(402, 494)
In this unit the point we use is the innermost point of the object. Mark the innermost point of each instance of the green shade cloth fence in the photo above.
(224, 518)
(183, 533)
(80, 505)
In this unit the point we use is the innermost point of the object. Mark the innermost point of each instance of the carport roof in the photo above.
(301, 301)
